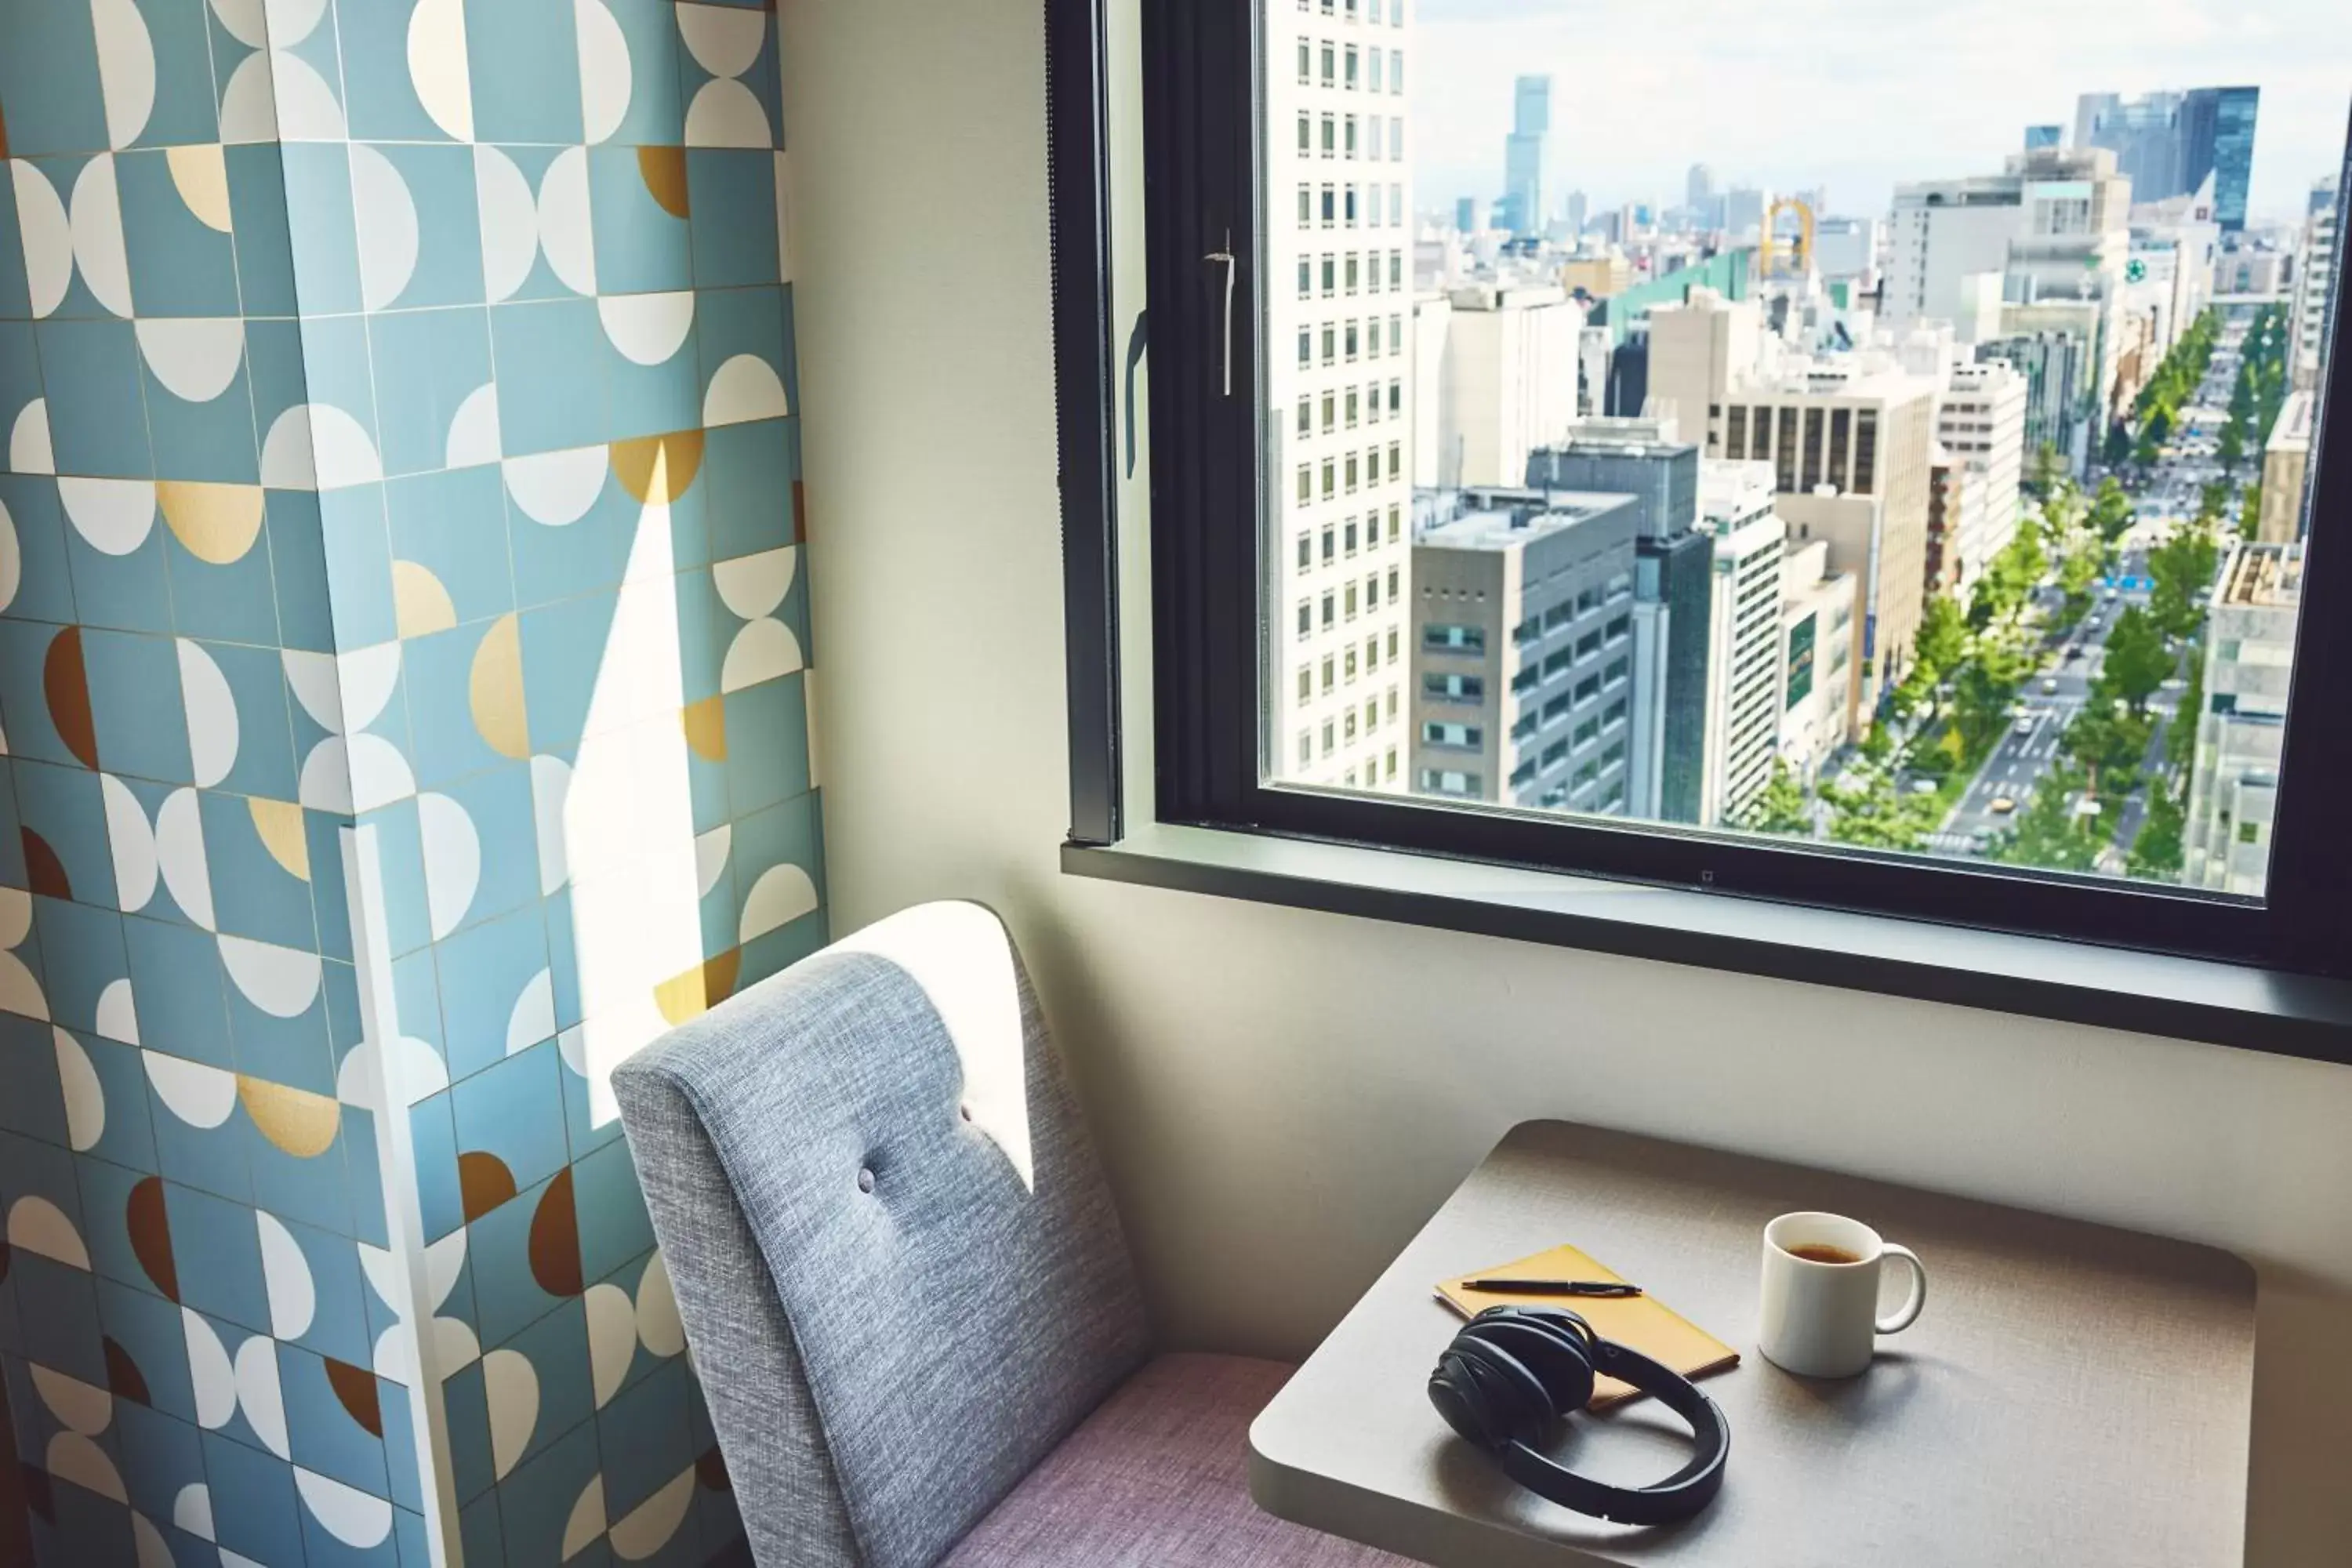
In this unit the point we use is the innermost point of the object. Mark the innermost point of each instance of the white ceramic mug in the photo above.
(1821, 1319)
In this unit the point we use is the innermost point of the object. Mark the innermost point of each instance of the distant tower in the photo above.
(1528, 168)
(1577, 209)
(2041, 137)
(1467, 218)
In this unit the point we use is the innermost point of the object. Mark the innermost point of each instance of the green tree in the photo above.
(2181, 736)
(2231, 447)
(2109, 743)
(2079, 570)
(1942, 641)
(2043, 476)
(1781, 806)
(2182, 568)
(1873, 815)
(2049, 832)
(2155, 851)
(2137, 660)
(2110, 510)
(1982, 698)
(2249, 510)
(2117, 451)
(2213, 500)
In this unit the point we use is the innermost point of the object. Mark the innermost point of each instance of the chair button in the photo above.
(865, 1181)
(964, 1112)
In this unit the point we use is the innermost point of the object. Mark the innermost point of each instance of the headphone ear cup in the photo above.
(1553, 1344)
(1489, 1396)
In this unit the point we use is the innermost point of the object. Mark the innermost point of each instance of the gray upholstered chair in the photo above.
(905, 1287)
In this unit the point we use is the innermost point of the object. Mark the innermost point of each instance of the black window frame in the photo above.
(1203, 131)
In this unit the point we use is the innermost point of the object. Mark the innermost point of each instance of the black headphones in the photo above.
(1513, 1375)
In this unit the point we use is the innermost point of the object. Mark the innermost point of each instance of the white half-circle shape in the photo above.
(604, 75)
(556, 488)
(132, 838)
(341, 448)
(454, 1345)
(474, 430)
(126, 69)
(200, 175)
(726, 113)
(291, 21)
(386, 220)
(85, 1096)
(148, 1547)
(74, 1458)
(612, 1339)
(563, 228)
(248, 111)
(312, 678)
(781, 895)
(286, 1279)
(116, 1018)
(47, 235)
(551, 782)
(437, 68)
(394, 1358)
(326, 783)
(511, 1385)
(376, 1264)
(379, 773)
(415, 1071)
(259, 1395)
(510, 218)
(307, 108)
(453, 860)
(647, 1528)
(710, 857)
(572, 1046)
(28, 440)
(196, 357)
(753, 586)
(646, 328)
(659, 1327)
(83, 1408)
(197, 1093)
(180, 856)
(587, 1520)
(347, 1513)
(192, 1511)
(746, 387)
(281, 981)
(114, 515)
(96, 221)
(12, 559)
(212, 714)
(20, 992)
(761, 651)
(444, 1260)
(286, 461)
(246, 21)
(532, 1017)
(723, 39)
(36, 1224)
(365, 679)
(15, 916)
(215, 1378)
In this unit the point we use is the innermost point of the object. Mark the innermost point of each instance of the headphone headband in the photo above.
(1512, 1373)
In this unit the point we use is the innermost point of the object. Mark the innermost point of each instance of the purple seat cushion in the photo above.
(1157, 1477)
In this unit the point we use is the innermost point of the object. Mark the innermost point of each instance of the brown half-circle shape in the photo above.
(123, 1375)
(711, 1469)
(44, 872)
(663, 169)
(483, 1182)
(555, 1239)
(67, 686)
(355, 1387)
(151, 1236)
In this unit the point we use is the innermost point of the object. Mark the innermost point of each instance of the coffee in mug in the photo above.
(1819, 1309)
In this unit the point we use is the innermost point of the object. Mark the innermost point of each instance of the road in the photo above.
(2168, 496)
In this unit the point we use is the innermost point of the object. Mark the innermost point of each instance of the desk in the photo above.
(2073, 1395)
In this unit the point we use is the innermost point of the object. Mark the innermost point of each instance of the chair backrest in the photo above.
(897, 1261)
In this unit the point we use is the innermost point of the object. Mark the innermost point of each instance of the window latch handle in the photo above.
(1227, 256)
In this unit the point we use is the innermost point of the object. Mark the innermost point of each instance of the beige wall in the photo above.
(1283, 1097)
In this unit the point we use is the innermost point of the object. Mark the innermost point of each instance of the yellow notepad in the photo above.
(1641, 1322)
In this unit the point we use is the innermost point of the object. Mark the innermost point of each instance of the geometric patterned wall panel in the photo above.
(398, 438)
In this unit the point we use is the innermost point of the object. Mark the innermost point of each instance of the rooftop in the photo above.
(2262, 576)
(1508, 519)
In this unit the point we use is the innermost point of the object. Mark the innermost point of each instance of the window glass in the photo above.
(1934, 484)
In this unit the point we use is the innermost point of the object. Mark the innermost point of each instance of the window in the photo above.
(1467, 736)
(1443, 638)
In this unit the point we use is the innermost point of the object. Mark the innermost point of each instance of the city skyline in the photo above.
(1632, 113)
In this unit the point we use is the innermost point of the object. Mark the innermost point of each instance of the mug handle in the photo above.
(1908, 1313)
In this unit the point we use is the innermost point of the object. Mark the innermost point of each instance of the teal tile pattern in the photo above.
(398, 427)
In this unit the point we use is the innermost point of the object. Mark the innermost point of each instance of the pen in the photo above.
(1554, 1287)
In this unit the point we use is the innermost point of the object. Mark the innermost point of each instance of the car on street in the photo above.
(2001, 806)
(2049, 686)
(1923, 786)
(2074, 652)
(2026, 723)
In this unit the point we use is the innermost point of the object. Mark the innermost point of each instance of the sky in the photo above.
(1854, 95)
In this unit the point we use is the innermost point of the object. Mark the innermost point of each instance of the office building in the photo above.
(1339, 572)
(2170, 143)
(2253, 274)
(1741, 714)
(1575, 208)
(1953, 500)
(1599, 274)
(1980, 423)
(1523, 650)
(2286, 469)
(1846, 247)
(1502, 378)
(1821, 607)
(1644, 458)
(1469, 215)
(2249, 655)
(2055, 367)
(2315, 281)
(1528, 159)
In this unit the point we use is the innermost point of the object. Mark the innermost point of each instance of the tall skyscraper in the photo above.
(1576, 207)
(2314, 280)
(1340, 372)
(2168, 143)
(2249, 658)
(1698, 193)
(1527, 158)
